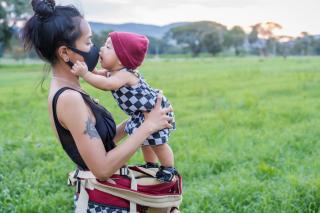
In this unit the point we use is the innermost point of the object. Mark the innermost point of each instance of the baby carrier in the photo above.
(133, 187)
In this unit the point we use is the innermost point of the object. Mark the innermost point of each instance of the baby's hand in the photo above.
(107, 73)
(79, 69)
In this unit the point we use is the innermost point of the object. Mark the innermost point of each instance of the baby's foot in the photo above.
(166, 174)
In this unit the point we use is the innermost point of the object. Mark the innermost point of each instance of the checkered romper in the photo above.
(134, 100)
(99, 208)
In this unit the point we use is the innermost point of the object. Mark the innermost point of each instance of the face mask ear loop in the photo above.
(70, 63)
(82, 53)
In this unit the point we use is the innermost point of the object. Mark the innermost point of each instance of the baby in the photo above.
(121, 55)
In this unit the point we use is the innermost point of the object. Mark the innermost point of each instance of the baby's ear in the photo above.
(119, 62)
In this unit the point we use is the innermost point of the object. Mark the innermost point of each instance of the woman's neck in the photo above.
(62, 76)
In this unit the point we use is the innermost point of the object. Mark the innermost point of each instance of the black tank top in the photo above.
(105, 126)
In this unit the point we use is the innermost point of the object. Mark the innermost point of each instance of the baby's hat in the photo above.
(130, 48)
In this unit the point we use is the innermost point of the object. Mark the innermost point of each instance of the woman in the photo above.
(86, 130)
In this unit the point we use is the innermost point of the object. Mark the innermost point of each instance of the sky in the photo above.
(294, 16)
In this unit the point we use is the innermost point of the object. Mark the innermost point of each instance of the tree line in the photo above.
(214, 38)
(204, 37)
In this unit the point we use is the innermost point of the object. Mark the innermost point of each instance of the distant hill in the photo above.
(145, 29)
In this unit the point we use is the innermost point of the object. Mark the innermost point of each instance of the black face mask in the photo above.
(91, 58)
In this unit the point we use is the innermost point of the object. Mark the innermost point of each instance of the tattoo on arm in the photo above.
(91, 130)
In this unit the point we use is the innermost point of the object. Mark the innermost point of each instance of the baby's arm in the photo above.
(102, 72)
(101, 82)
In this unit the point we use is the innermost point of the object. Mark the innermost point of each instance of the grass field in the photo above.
(247, 136)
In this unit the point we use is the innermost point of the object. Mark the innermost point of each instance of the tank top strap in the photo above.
(58, 125)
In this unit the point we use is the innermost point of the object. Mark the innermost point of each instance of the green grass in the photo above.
(247, 136)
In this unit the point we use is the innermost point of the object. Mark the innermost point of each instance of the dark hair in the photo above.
(51, 27)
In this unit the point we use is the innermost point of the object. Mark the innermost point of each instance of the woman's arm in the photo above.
(74, 115)
(120, 133)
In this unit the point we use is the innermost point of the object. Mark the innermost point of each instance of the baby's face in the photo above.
(108, 57)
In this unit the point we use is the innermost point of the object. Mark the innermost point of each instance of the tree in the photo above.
(307, 41)
(284, 44)
(213, 42)
(189, 37)
(99, 39)
(157, 46)
(11, 11)
(254, 40)
(192, 35)
(266, 30)
(235, 38)
(5, 33)
(298, 47)
(303, 44)
(262, 36)
(317, 46)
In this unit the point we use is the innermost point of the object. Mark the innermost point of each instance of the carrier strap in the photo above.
(86, 180)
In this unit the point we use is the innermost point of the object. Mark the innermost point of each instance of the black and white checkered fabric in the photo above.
(138, 99)
(97, 208)
(100, 208)
(156, 138)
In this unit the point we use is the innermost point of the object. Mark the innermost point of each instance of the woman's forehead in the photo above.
(85, 28)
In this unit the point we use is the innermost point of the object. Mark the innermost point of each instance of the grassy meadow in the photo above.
(247, 139)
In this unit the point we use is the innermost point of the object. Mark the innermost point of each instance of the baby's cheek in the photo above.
(103, 63)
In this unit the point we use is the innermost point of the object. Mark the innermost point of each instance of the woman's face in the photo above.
(83, 43)
(108, 57)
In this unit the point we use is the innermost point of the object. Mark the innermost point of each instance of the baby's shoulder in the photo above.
(132, 79)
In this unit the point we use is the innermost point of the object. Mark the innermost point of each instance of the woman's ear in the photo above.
(63, 53)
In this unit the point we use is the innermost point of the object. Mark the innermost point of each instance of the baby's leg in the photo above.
(164, 154)
(149, 155)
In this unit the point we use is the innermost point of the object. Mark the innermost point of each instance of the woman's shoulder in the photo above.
(61, 105)
(67, 95)
(70, 96)
(67, 99)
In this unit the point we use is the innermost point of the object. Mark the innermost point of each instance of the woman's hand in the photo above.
(158, 119)
(120, 133)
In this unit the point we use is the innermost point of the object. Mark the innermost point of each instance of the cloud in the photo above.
(152, 4)
(102, 10)
(294, 15)
(151, 11)
(156, 5)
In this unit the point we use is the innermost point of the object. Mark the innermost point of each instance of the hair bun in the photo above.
(43, 8)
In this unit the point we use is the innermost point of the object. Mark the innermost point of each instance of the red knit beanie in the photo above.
(130, 48)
